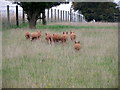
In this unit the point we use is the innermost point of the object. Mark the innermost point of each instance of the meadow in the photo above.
(37, 64)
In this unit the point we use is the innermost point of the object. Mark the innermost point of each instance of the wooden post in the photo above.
(51, 15)
(70, 14)
(58, 15)
(74, 17)
(55, 14)
(8, 14)
(80, 18)
(61, 15)
(23, 17)
(17, 22)
(48, 15)
(66, 15)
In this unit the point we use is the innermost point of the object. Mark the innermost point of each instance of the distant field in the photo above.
(40, 65)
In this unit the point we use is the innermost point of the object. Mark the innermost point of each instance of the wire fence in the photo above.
(14, 15)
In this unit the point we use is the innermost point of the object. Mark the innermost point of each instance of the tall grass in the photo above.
(0, 59)
(65, 26)
(40, 65)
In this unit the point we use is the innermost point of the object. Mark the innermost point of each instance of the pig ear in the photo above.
(66, 32)
(70, 32)
(63, 32)
(78, 41)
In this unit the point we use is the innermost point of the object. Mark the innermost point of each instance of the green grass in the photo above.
(60, 27)
(37, 64)
(23, 25)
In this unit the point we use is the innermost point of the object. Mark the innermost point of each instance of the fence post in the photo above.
(55, 14)
(51, 15)
(48, 15)
(58, 15)
(23, 17)
(17, 22)
(61, 15)
(74, 17)
(70, 14)
(80, 18)
(8, 14)
(66, 15)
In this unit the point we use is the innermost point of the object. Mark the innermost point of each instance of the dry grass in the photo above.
(39, 65)
(0, 59)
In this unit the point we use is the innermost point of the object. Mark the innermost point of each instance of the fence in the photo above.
(15, 15)
(12, 15)
(116, 17)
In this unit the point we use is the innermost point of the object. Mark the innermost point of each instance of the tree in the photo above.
(34, 9)
(100, 11)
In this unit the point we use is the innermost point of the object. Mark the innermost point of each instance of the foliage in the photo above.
(100, 11)
(34, 9)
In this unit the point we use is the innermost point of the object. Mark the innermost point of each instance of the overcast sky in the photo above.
(116, 0)
(60, 7)
(66, 7)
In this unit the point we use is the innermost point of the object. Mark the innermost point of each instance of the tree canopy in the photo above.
(34, 9)
(100, 11)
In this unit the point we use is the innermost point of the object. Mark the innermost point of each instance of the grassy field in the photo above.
(0, 59)
(40, 65)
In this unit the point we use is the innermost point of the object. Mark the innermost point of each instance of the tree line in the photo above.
(100, 11)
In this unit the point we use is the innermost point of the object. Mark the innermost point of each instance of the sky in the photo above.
(65, 7)
(117, 1)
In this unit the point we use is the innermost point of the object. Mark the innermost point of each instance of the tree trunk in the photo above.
(32, 19)
(44, 21)
(32, 23)
(43, 18)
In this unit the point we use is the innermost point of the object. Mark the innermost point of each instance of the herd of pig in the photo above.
(63, 38)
